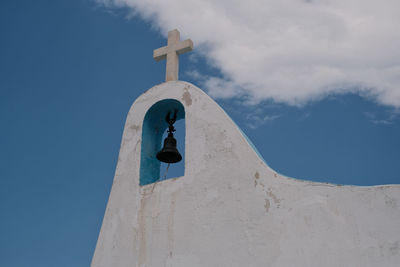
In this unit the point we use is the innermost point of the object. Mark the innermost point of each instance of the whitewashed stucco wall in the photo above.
(231, 209)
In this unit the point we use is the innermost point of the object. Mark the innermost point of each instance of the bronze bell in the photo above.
(169, 153)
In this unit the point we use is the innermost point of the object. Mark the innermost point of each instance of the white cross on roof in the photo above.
(171, 52)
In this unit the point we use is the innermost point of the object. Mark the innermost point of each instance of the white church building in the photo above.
(229, 208)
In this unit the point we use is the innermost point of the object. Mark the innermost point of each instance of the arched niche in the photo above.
(154, 125)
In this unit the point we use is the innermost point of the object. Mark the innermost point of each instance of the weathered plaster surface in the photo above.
(231, 209)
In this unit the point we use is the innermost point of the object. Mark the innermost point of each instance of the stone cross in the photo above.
(172, 51)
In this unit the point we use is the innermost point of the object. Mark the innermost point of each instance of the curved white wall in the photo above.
(231, 209)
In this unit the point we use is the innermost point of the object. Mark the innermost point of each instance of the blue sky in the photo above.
(70, 70)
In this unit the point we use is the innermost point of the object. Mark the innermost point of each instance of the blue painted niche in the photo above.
(154, 125)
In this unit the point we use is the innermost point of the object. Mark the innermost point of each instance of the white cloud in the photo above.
(291, 51)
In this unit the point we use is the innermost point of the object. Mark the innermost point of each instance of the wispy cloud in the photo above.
(386, 119)
(292, 51)
(304, 116)
(257, 118)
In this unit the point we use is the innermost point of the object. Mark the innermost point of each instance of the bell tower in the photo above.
(229, 208)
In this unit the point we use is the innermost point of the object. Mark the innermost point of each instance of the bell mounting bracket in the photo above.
(171, 121)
